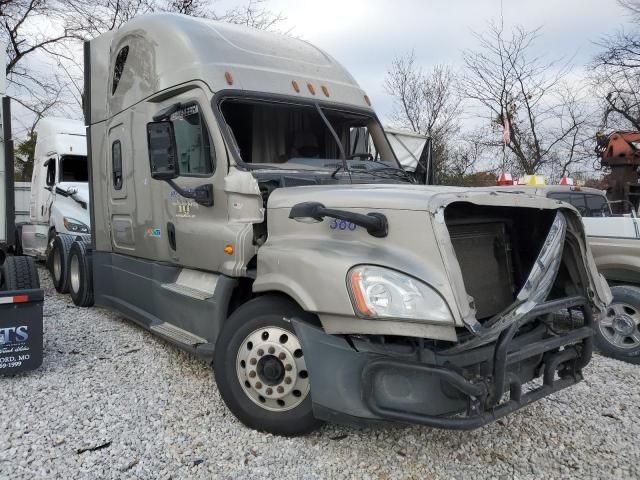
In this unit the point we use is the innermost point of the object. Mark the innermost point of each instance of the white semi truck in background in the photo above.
(59, 196)
(59, 192)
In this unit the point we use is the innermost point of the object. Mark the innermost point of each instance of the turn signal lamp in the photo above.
(228, 249)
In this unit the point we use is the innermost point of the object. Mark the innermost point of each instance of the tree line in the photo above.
(528, 116)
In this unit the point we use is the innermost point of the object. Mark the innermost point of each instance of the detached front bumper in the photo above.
(354, 381)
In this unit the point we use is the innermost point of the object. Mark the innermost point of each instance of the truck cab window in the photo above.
(116, 164)
(51, 172)
(73, 168)
(193, 144)
(589, 205)
(118, 68)
(597, 206)
(294, 136)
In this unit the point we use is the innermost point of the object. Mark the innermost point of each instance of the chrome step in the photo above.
(187, 291)
(177, 334)
(194, 284)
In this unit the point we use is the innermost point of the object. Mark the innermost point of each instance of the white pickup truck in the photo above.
(615, 243)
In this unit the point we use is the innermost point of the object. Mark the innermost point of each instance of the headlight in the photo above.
(76, 226)
(378, 292)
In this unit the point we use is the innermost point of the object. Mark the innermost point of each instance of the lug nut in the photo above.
(252, 374)
(269, 391)
(282, 356)
(288, 368)
(253, 361)
(260, 352)
(280, 389)
(287, 380)
(272, 350)
(258, 385)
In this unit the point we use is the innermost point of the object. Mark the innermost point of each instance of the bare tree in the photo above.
(616, 78)
(425, 102)
(519, 91)
(33, 31)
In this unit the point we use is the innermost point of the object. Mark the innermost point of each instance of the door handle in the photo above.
(171, 235)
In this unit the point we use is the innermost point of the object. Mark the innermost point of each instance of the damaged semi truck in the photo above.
(236, 213)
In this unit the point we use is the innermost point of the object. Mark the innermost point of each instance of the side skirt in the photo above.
(134, 288)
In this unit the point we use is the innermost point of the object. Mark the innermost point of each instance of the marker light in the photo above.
(228, 249)
(295, 86)
(311, 88)
(228, 78)
(378, 292)
(325, 90)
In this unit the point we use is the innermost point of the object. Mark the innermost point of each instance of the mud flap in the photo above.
(21, 330)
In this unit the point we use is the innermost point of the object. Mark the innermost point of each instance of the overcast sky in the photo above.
(366, 35)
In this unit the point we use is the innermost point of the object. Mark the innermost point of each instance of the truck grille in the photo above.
(484, 254)
(496, 248)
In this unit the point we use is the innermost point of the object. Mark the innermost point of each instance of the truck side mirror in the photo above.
(162, 151)
(51, 172)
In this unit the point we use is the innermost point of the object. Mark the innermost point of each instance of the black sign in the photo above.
(20, 331)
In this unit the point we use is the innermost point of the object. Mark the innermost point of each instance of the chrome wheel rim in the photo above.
(74, 274)
(621, 326)
(57, 265)
(271, 369)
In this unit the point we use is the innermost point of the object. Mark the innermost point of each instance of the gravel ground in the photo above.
(113, 401)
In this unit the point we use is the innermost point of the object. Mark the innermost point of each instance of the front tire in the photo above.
(260, 369)
(617, 334)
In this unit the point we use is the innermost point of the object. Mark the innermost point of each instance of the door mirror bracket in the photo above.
(203, 194)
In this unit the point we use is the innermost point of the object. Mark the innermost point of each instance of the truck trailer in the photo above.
(234, 215)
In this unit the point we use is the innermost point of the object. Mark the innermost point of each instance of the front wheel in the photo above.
(260, 369)
(618, 332)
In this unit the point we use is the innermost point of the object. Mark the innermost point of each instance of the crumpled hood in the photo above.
(403, 197)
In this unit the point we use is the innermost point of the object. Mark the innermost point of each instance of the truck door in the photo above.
(190, 229)
(119, 166)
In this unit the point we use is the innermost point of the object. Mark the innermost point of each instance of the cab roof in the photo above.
(165, 50)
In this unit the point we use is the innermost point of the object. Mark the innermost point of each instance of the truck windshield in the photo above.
(295, 136)
(73, 168)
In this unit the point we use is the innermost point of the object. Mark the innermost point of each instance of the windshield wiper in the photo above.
(399, 171)
(335, 172)
(343, 155)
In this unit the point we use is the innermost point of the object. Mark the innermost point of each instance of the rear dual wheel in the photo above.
(80, 275)
(260, 369)
(19, 273)
(58, 262)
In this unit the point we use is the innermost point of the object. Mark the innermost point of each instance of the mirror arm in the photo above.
(203, 195)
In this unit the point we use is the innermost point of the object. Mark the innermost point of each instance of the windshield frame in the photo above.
(266, 97)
